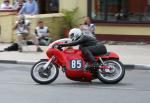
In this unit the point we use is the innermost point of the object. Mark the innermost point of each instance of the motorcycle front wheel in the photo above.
(44, 76)
(114, 75)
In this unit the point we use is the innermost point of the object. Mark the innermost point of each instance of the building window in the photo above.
(48, 6)
(119, 10)
(45, 6)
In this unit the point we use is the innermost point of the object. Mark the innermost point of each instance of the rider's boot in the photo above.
(87, 67)
(94, 66)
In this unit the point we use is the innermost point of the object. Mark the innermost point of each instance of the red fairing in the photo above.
(75, 72)
(60, 56)
(73, 61)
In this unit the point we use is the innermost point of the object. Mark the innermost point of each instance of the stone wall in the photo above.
(55, 22)
(6, 22)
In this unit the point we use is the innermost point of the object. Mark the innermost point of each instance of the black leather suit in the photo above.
(89, 47)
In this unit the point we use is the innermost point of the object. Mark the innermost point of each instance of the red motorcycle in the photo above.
(72, 63)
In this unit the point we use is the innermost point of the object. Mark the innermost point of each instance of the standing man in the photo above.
(22, 27)
(30, 7)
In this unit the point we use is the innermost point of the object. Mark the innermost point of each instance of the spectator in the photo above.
(18, 4)
(6, 5)
(22, 28)
(30, 7)
(88, 28)
(42, 33)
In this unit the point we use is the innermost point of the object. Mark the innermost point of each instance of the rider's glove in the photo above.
(59, 46)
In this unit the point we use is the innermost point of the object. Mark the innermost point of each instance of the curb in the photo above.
(137, 67)
(142, 67)
(127, 66)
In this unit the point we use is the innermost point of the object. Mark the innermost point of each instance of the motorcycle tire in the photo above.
(116, 74)
(37, 75)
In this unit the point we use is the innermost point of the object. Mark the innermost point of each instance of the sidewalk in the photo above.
(28, 56)
(134, 55)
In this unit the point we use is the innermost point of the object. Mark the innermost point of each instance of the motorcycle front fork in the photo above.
(49, 62)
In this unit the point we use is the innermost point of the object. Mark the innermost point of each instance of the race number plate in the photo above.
(76, 64)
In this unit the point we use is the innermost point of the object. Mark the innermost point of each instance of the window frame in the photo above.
(89, 10)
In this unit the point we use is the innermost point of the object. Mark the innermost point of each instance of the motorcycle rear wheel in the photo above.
(116, 73)
(42, 77)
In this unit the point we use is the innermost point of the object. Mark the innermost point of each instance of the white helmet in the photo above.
(75, 34)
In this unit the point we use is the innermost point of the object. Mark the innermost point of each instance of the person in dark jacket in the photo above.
(87, 44)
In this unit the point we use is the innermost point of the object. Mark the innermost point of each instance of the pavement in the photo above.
(132, 55)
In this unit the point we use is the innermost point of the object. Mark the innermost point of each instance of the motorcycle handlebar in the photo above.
(57, 46)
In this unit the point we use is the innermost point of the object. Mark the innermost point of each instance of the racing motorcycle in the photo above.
(71, 61)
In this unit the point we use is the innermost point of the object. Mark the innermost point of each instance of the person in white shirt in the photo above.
(6, 5)
(22, 27)
(42, 33)
(88, 28)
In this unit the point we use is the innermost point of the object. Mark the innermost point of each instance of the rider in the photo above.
(87, 44)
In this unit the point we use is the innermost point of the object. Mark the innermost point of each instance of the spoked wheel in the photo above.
(44, 76)
(113, 74)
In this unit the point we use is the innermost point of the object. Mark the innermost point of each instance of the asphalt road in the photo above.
(16, 86)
